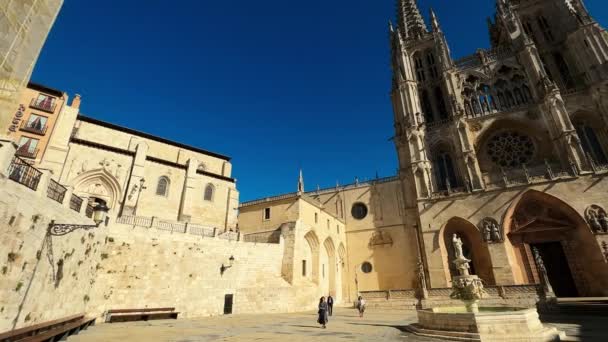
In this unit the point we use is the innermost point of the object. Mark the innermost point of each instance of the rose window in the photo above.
(510, 149)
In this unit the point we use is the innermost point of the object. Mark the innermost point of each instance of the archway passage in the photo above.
(572, 257)
(473, 247)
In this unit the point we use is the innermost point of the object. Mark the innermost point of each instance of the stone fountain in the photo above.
(472, 322)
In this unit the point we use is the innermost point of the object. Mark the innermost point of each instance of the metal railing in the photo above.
(47, 106)
(23, 173)
(203, 231)
(169, 226)
(56, 191)
(27, 153)
(139, 221)
(28, 127)
(76, 203)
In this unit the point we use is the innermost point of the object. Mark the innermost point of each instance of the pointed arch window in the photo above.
(443, 112)
(444, 171)
(427, 110)
(162, 187)
(209, 192)
(339, 208)
(420, 75)
(564, 70)
(430, 59)
(591, 143)
(544, 26)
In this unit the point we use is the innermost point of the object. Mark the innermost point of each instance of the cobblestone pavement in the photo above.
(345, 325)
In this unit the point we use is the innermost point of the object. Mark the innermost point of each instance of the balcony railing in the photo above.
(23, 173)
(28, 127)
(44, 105)
(27, 152)
(76, 203)
(56, 191)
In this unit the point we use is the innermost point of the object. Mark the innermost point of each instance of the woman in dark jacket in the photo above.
(323, 319)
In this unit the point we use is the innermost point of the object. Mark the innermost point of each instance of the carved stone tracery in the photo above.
(379, 239)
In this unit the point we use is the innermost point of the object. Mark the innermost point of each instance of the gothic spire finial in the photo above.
(435, 22)
(301, 183)
(410, 20)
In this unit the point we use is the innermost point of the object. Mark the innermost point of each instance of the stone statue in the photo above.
(594, 222)
(487, 231)
(605, 249)
(542, 273)
(457, 243)
(495, 232)
(603, 221)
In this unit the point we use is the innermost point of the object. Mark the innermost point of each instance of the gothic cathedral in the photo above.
(507, 147)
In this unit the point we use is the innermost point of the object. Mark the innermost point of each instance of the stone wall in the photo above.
(149, 268)
(42, 277)
(117, 266)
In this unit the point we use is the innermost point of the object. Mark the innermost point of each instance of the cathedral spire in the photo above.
(435, 22)
(301, 183)
(410, 20)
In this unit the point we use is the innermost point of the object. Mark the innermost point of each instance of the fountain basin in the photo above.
(489, 324)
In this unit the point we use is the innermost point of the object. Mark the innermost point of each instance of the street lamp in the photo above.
(230, 264)
(99, 215)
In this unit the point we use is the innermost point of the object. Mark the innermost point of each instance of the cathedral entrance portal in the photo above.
(568, 249)
(557, 267)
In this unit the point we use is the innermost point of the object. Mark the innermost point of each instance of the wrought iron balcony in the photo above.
(44, 105)
(28, 127)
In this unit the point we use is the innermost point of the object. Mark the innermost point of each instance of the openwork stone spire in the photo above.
(410, 20)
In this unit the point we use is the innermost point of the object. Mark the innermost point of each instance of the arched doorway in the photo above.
(473, 247)
(310, 263)
(99, 184)
(572, 257)
(343, 289)
(330, 249)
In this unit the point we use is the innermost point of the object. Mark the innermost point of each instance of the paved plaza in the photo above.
(345, 325)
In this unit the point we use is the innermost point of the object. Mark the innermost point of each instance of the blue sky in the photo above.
(277, 85)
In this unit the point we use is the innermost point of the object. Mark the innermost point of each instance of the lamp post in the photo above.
(142, 181)
(99, 215)
(225, 267)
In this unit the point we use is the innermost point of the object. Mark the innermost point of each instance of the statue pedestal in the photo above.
(469, 289)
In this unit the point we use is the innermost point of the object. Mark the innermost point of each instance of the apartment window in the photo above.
(303, 268)
(35, 124)
(44, 102)
(28, 147)
(267, 214)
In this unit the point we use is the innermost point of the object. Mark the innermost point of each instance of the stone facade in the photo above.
(125, 169)
(132, 262)
(508, 148)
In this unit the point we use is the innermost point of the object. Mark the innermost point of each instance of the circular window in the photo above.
(510, 149)
(359, 211)
(366, 267)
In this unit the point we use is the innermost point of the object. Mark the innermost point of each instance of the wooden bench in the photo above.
(55, 330)
(129, 315)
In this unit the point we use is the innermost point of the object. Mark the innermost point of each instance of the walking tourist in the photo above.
(323, 319)
(330, 305)
(361, 306)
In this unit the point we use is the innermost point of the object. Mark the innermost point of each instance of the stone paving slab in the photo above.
(345, 325)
